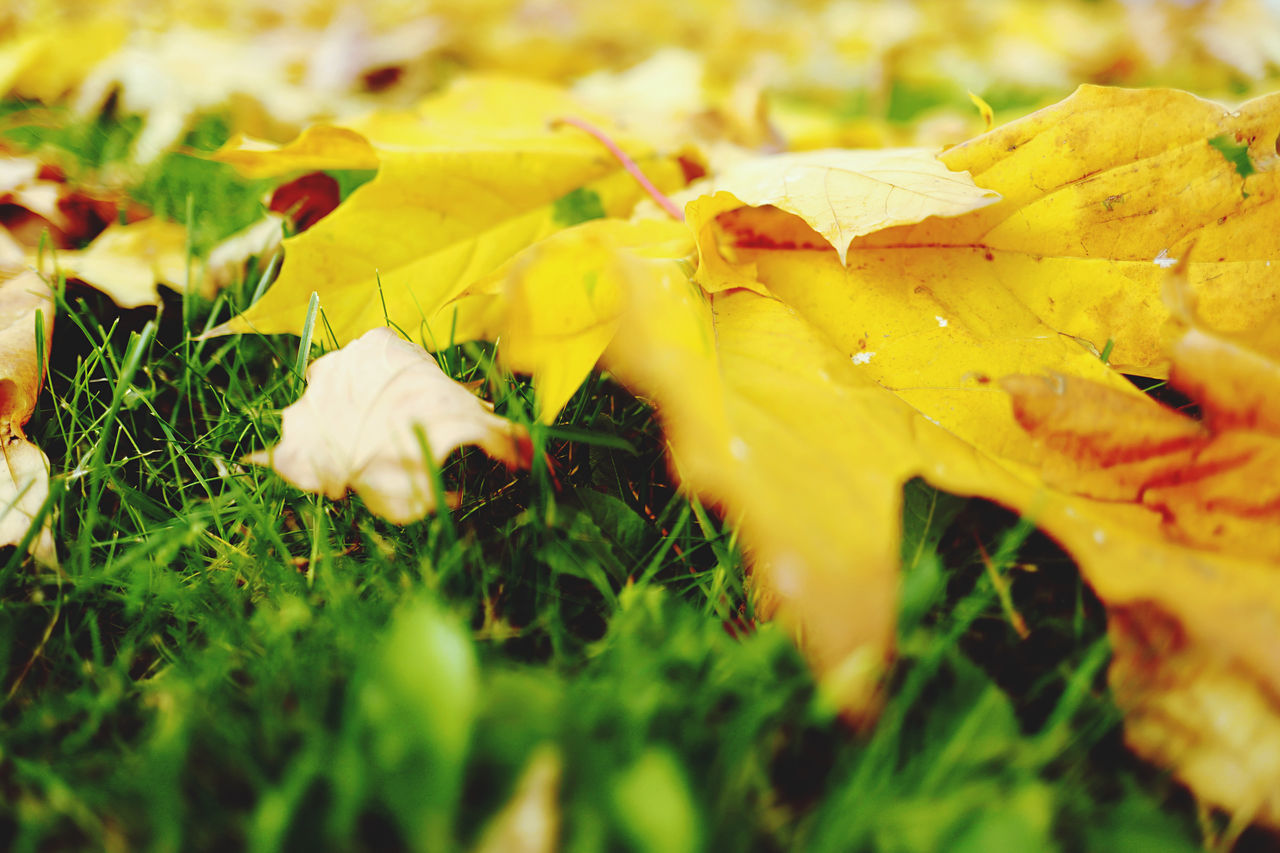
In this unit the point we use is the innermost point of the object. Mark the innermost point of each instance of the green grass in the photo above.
(223, 662)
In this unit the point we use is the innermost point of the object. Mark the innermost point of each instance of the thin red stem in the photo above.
(627, 163)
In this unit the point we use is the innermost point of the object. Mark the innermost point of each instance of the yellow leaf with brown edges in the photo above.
(801, 415)
(1193, 667)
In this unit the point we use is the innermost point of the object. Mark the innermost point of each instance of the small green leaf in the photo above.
(576, 206)
(1236, 153)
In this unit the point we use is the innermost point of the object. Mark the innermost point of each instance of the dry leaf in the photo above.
(847, 194)
(358, 425)
(38, 200)
(1197, 698)
(530, 821)
(25, 485)
(126, 262)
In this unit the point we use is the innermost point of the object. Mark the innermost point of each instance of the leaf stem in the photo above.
(627, 163)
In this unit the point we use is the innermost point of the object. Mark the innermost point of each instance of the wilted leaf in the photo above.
(476, 182)
(25, 484)
(360, 424)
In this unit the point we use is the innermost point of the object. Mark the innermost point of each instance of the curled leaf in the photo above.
(359, 426)
(24, 484)
(843, 194)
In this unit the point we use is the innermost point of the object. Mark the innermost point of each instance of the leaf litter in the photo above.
(827, 326)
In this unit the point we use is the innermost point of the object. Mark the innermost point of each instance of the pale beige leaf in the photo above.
(360, 423)
(843, 194)
(226, 261)
(530, 821)
(24, 481)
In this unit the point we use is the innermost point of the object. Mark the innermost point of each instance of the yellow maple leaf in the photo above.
(356, 427)
(801, 405)
(454, 200)
(933, 312)
(1197, 695)
(555, 307)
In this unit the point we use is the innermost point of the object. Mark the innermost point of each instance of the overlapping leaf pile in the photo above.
(825, 327)
(822, 327)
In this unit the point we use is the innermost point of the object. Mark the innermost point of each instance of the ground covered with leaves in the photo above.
(533, 427)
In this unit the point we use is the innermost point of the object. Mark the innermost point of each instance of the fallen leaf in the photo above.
(671, 101)
(482, 110)
(126, 262)
(25, 484)
(273, 80)
(39, 203)
(555, 307)
(846, 194)
(530, 821)
(477, 182)
(1198, 698)
(936, 312)
(358, 426)
(318, 147)
(226, 261)
(802, 418)
(47, 62)
(306, 200)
